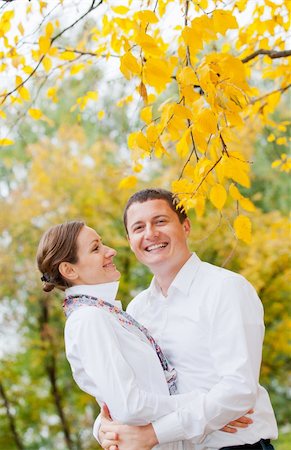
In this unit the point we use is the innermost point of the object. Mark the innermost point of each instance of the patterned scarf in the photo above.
(73, 302)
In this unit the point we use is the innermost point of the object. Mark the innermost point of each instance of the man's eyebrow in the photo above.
(158, 216)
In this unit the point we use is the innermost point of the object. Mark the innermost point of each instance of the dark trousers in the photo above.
(263, 444)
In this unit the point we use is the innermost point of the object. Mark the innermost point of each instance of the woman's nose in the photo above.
(110, 252)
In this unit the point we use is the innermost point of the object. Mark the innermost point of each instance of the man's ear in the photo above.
(128, 240)
(187, 226)
(68, 271)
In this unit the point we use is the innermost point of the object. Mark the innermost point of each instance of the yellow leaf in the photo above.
(137, 167)
(182, 147)
(2, 114)
(218, 196)
(128, 182)
(47, 63)
(100, 115)
(138, 140)
(76, 68)
(246, 204)
(192, 39)
(157, 73)
(152, 133)
(206, 121)
(146, 16)
(51, 92)
(183, 112)
(49, 29)
(146, 114)
(18, 80)
(223, 21)
(243, 229)
(5, 141)
(281, 140)
(187, 76)
(234, 192)
(44, 43)
(148, 44)
(129, 65)
(68, 56)
(276, 163)
(143, 92)
(35, 113)
(235, 167)
(28, 70)
(24, 93)
(21, 29)
(120, 9)
(93, 95)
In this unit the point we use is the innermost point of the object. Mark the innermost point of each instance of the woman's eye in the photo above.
(95, 249)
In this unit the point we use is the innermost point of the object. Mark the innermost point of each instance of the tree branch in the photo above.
(92, 7)
(51, 369)
(11, 418)
(206, 175)
(271, 53)
(270, 93)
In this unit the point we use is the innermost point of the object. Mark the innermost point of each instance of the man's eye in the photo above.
(137, 228)
(95, 249)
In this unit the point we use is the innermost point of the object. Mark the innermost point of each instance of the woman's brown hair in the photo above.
(57, 245)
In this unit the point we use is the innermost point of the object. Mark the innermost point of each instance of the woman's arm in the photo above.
(92, 338)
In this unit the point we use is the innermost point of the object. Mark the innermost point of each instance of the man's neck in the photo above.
(165, 275)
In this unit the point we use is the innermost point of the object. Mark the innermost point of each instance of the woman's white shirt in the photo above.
(114, 365)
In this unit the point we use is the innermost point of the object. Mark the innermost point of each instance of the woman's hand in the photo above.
(114, 436)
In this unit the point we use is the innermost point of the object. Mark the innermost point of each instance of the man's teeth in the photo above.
(155, 246)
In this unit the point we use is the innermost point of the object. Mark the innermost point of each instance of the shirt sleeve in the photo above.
(236, 331)
(108, 375)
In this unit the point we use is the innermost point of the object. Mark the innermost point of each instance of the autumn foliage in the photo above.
(191, 67)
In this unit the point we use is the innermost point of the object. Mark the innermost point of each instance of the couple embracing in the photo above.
(179, 370)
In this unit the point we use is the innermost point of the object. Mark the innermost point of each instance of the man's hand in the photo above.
(242, 422)
(126, 437)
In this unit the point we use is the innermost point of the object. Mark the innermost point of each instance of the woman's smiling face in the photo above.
(95, 260)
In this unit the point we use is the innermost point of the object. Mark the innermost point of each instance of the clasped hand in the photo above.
(116, 436)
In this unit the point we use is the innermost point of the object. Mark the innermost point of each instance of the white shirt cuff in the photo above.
(96, 428)
(168, 429)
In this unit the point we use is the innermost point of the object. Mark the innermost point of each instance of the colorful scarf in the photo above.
(73, 302)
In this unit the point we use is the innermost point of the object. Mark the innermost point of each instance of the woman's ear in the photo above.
(68, 271)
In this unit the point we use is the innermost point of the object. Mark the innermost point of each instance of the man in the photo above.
(209, 323)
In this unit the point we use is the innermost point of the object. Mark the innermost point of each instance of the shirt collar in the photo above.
(105, 291)
(182, 280)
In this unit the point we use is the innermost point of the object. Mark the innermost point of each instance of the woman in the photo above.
(112, 357)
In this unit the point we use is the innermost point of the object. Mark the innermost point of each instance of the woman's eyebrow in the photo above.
(95, 241)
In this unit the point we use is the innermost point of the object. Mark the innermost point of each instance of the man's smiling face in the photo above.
(156, 235)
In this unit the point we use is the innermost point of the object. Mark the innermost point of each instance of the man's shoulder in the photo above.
(138, 301)
(218, 274)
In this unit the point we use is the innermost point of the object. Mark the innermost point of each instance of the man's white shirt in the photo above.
(210, 326)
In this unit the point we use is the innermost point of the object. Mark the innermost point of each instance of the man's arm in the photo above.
(236, 330)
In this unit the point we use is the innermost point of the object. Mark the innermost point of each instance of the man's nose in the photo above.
(151, 231)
